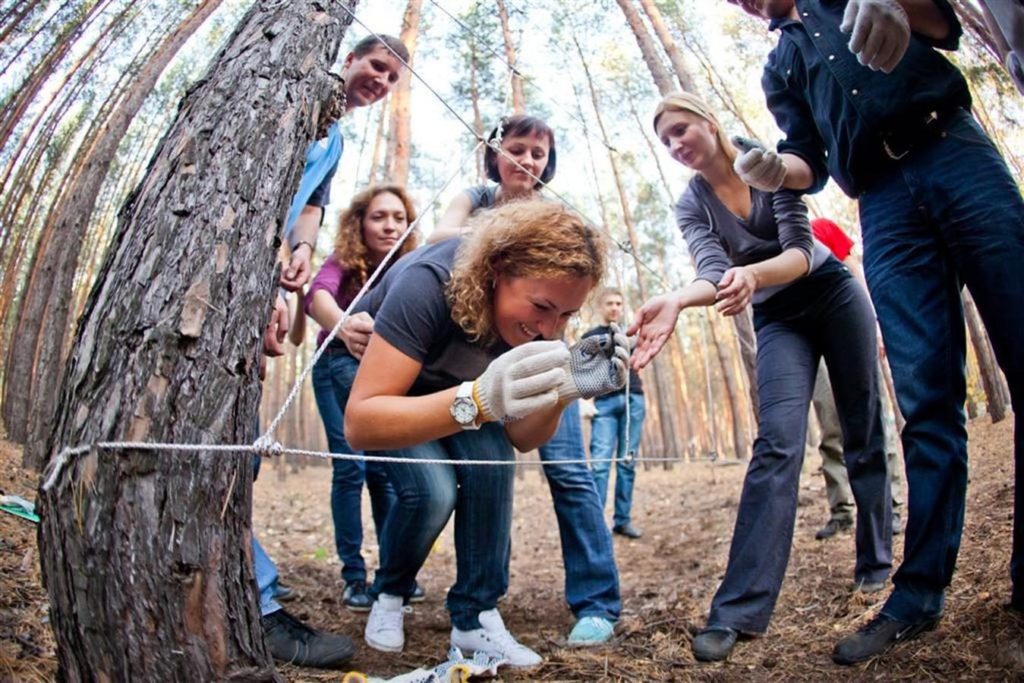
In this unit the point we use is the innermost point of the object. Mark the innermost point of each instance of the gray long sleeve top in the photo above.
(719, 240)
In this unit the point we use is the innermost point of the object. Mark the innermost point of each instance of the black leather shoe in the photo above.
(833, 527)
(419, 594)
(627, 530)
(355, 597)
(714, 644)
(877, 636)
(293, 642)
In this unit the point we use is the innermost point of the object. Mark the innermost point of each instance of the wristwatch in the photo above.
(463, 408)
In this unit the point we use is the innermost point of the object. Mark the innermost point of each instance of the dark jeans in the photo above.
(591, 579)
(948, 214)
(826, 314)
(333, 375)
(480, 496)
(608, 439)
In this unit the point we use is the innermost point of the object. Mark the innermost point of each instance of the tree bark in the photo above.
(70, 221)
(146, 556)
(668, 43)
(662, 79)
(400, 131)
(518, 99)
(739, 436)
(997, 393)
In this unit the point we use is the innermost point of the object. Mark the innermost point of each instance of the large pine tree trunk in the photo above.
(675, 56)
(518, 98)
(400, 133)
(662, 79)
(146, 556)
(747, 339)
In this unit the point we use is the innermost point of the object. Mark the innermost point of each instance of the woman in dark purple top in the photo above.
(753, 246)
(368, 229)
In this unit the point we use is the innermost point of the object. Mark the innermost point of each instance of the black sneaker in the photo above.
(292, 642)
(355, 597)
(833, 527)
(418, 594)
(877, 636)
(627, 530)
(714, 644)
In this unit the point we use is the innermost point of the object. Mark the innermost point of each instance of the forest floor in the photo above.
(667, 578)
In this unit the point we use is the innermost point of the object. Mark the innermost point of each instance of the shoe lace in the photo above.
(390, 620)
(295, 629)
(504, 640)
(879, 621)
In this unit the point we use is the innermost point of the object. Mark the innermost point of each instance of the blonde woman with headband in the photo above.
(464, 363)
(750, 246)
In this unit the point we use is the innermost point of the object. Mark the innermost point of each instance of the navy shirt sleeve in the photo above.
(414, 316)
(709, 256)
(956, 30)
(795, 118)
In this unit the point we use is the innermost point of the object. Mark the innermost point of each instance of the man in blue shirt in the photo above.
(370, 70)
(863, 96)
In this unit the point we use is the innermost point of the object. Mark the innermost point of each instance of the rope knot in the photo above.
(267, 447)
(629, 457)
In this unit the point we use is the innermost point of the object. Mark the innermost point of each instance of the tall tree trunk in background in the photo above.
(70, 220)
(12, 18)
(997, 393)
(747, 339)
(662, 79)
(378, 144)
(474, 98)
(400, 131)
(14, 108)
(668, 43)
(741, 444)
(973, 20)
(661, 374)
(518, 98)
(146, 556)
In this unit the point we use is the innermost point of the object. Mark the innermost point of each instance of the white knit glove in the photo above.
(597, 365)
(879, 32)
(521, 381)
(761, 168)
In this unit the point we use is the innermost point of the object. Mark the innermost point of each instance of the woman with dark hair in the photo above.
(749, 246)
(456, 369)
(368, 229)
(525, 162)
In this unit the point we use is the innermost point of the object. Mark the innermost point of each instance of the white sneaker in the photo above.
(494, 639)
(384, 629)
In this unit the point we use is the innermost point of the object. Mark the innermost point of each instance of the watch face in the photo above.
(464, 411)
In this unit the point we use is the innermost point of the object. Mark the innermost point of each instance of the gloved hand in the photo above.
(880, 32)
(597, 365)
(521, 381)
(761, 168)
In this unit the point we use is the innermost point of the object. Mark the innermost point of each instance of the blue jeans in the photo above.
(333, 375)
(480, 496)
(948, 214)
(608, 440)
(266, 578)
(591, 579)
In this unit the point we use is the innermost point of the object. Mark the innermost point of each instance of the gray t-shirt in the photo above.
(482, 197)
(411, 312)
(718, 239)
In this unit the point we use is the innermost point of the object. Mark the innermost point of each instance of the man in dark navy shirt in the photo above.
(863, 96)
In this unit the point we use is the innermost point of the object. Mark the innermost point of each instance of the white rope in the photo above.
(265, 447)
